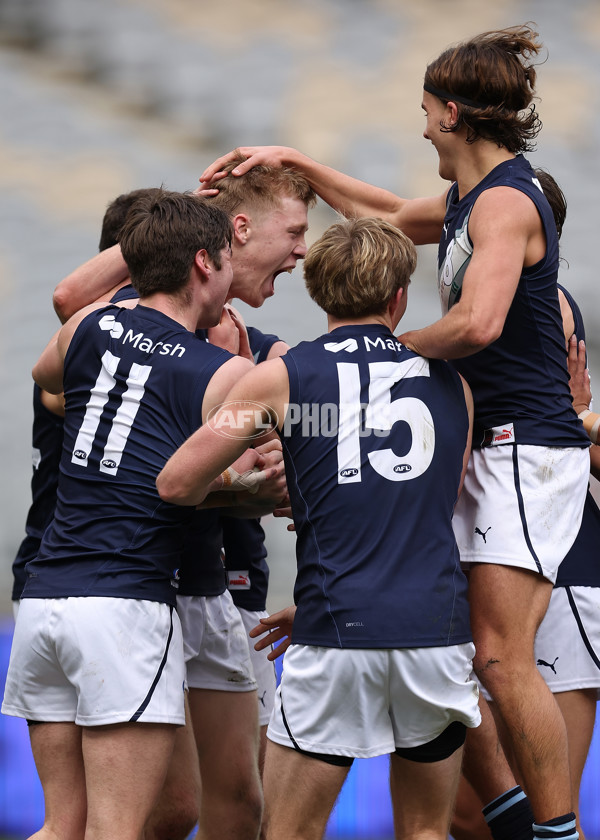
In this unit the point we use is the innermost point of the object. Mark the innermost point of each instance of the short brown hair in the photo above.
(261, 188)
(162, 235)
(492, 81)
(115, 215)
(556, 198)
(357, 267)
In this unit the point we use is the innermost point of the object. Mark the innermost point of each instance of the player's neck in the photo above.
(334, 323)
(174, 307)
(477, 162)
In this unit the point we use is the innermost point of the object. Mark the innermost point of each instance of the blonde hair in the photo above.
(357, 266)
(261, 188)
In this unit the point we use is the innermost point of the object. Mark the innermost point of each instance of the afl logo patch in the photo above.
(402, 468)
(348, 472)
(79, 453)
(109, 464)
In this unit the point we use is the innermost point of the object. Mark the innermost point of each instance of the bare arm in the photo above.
(505, 230)
(277, 350)
(421, 219)
(467, 452)
(97, 279)
(189, 473)
(579, 382)
(48, 370)
(582, 397)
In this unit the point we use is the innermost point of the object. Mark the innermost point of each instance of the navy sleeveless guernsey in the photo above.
(125, 293)
(47, 438)
(373, 443)
(134, 386)
(201, 570)
(521, 378)
(581, 566)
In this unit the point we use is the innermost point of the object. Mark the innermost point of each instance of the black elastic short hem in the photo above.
(336, 760)
(440, 748)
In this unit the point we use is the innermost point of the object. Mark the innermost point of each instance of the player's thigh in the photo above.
(507, 606)
(423, 794)
(468, 822)
(125, 768)
(578, 709)
(226, 732)
(56, 749)
(182, 789)
(300, 793)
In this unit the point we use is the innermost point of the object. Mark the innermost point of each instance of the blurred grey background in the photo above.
(99, 97)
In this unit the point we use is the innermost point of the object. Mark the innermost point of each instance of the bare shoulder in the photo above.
(263, 377)
(504, 203)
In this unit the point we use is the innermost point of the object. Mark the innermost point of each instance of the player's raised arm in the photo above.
(421, 219)
(500, 215)
(91, 281)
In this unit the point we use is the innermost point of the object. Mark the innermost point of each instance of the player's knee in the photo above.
(174, 823)
(250, 801)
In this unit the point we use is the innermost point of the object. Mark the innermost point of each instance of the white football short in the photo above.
(567, 645)
(363, 703)
(215, 643)
(521, 506)
(263, 668)
(96, 661)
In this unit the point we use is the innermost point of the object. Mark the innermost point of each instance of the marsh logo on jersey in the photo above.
(349, 345)
(452, 271)
(109, 324)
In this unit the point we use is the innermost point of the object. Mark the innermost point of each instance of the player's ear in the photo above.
(396, 300)
(241, 228)
(452, 112)
(397, 306)
(203, 263)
